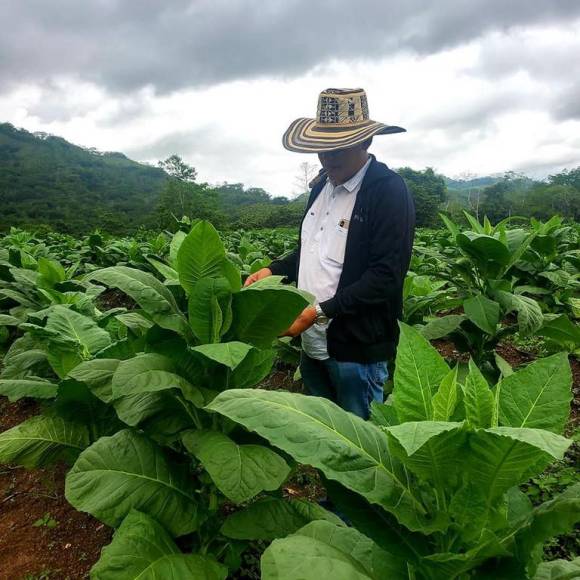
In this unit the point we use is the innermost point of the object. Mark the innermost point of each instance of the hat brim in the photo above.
(308, 136)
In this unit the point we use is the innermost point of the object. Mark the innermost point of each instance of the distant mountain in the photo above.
(475, 183)
(46, 179)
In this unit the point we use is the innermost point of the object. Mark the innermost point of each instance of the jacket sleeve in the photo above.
(392, 223)
(286, 266)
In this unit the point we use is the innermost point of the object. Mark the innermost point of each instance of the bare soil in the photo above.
(447, 350)
(113, 298)
(64, 544)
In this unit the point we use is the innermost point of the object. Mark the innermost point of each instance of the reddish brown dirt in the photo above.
(65, 551)
(113, 298)
(514, 356)
(447, 350)
(12, 414)
(305, 483)
(281, 380)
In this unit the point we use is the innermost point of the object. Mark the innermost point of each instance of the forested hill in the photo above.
(46, 179)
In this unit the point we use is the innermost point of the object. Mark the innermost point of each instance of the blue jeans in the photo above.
(350, 385)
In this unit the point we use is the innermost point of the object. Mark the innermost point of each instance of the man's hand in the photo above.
(304, 321)
(263, 273)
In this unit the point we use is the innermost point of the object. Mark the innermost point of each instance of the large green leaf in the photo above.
(550, 519)
(160, 414)
(42, 440)
(431, 449)
(272, 517)
(323, 550)
(418, 374)
(33, 387)
(457, 564)
(142, 549)
(148, 373)
(97, 374)
(52, 272)
(529, 313)
(201, 255)
(18, 297)
(229, 354)
(261, 313)
(255, 366)
(538, 396)
(63, 359)
(174, 246)
(135, 321)
(445, 399)
(383, 414)
(442, 326)
(76, 329)
(489, 254)
(128, 471)
(239, 471)
(24, 359)
(151, 295)
(377, 524)
(559, 570)
(483, 312)
(210, 311)
(563, 331)
(477, 398)
(166, 271)
(76, 403)
(315, 431)
(501, 457)
(7, 320)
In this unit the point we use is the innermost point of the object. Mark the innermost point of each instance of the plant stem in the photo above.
(191, 411)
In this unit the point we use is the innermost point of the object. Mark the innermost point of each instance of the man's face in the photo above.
(342, 164)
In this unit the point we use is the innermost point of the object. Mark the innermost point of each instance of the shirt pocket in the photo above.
(336, 244)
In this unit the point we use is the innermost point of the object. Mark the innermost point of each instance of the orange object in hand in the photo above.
(263, 273)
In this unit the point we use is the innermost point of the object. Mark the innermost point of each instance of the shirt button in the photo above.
(321, 229)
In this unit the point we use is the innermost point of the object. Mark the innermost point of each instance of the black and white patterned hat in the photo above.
(342, 121)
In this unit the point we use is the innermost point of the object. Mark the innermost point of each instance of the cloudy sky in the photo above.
(482, 86)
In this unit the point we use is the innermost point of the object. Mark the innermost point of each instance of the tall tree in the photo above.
(177, 169)
(429, 192)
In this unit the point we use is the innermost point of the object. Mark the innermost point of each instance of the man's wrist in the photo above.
(321, 317)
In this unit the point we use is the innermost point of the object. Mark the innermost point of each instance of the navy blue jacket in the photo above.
(369, 298)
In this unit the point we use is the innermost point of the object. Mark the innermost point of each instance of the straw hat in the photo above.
(342, 121)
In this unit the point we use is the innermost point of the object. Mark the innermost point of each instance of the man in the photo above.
(355, 246)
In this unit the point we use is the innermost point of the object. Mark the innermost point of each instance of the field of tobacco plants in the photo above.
(153, 426)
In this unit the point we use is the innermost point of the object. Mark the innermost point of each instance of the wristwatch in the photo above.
(321, 318)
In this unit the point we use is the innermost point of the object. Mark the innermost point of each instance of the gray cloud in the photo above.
(477, 113)
(566, 104)
(184, 143)
(124, 45)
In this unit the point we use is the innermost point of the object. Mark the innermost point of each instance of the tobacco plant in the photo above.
(430, 485)
(494, 305)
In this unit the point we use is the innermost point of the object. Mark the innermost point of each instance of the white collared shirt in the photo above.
(324, 232)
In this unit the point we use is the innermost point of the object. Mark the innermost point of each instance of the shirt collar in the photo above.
(357, 178)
